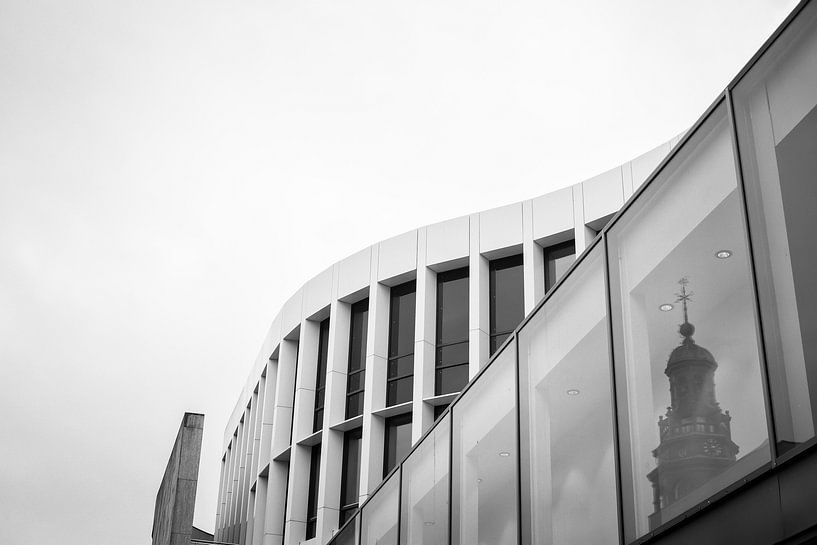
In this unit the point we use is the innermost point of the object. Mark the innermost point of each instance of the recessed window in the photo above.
(312, 499)
(451, 359)
(320, 380)
(400, 373)
(398, 441)
(357, 358)
(506, 297)
(558, 259)
(350, 476)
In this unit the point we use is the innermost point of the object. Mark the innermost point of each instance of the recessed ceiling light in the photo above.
(479, 481)
(723, 254)
(666, 307)
(504, 454)
(429, 523)
(573, 392)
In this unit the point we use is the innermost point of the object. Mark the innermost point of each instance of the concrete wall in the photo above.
(176, 499)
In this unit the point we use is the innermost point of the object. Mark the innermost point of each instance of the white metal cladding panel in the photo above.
(397, 255)
(447, 240)
(291, 313)
(318, 293)
(553, 213)
(500, 227)
(354, 272)
(603, 194)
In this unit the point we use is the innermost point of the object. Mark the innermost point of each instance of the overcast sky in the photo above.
(171, 172)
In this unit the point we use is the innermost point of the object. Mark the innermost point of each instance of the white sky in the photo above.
(171, 172)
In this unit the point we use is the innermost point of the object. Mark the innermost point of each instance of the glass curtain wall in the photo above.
(685, 321)
(564, 369)
(425, 493)
(776, 116)
(400, 370)
(507, 303)
(347, 534)
(379, 520)
(451, 359)
(355, 377)
(485, 478)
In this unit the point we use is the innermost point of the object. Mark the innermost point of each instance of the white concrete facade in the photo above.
(266, 454)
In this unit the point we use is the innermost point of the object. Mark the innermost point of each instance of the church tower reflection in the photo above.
(696, 436)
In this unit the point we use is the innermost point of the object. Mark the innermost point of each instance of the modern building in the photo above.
(471, 382)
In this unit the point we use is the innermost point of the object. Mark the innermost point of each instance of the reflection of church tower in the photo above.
(696, 437)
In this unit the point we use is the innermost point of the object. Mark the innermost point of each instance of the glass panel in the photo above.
(558, 259)
(507, 306)
(357, 335)
(679, 256)
(323, 352)
(355, 381)
(354, 405)
(348, 535)
(398, 441)
(565, 377)
(424, 506)
(776, 115)
(399, 391)
(451, 379)
(401, 319)
(378, 524)
(452, 306)
(497, 340)
(312, 499)
(346, 513)
(350, 478)
(485, 477)
(453, 354)
(401, 367)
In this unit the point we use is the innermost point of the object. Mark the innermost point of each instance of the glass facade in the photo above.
(379, 521)
(507, 302)
(648, 378)
(451, 358)
(564, 369)
(398, 441)
(558, 258)
(320, 375)
(776, 116)
(400, 370)
(484, 478)
(672, 263)
(356, 373)
(350, 476)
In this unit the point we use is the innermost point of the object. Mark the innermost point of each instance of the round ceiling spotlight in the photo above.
(666, 307)
(723, 254)
(573, 392)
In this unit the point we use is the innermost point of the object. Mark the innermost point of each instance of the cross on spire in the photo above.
(684, 297)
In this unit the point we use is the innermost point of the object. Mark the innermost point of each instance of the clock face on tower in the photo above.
(713, 447)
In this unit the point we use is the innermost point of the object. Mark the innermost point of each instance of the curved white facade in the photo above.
(265, 469)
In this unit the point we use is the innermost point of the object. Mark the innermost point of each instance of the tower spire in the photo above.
(686, 329)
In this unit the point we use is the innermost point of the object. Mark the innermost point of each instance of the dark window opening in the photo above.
(558, 259)
(451, 358)
(400, 369)
(312, 499)
(320, 380)
(507, 303)
(398, 441)
(350, 474)
(356, 373)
